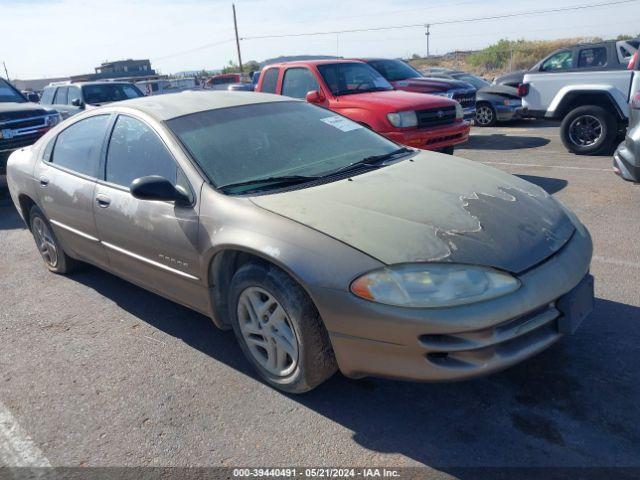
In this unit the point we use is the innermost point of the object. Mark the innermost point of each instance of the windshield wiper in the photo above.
(373, 161)
(268, 181)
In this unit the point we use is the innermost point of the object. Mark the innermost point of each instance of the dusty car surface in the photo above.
(321, 243)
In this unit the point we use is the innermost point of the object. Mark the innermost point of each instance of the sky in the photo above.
(58, 38)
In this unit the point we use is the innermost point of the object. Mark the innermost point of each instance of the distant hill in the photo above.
(295, 58)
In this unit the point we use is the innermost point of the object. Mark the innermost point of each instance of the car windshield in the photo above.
(109, 92)
(279, 139)
(350, 78)
(394, 70)
(477, 82)
(9, 94)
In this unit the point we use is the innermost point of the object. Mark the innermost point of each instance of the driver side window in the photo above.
(135, 150)
(559, 61)
(298, 82)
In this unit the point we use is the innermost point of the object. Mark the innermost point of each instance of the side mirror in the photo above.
(315, 96)
(76, 102)
(155, 187)
(33, 97)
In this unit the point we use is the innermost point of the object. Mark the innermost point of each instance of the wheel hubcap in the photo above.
(45, 242)
(267, 331)
(585, 131)
(484, 115)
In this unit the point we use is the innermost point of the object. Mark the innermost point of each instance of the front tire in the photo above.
(279, 329)
(448, 150)
(589, 130)
(55, 258)
(485, 115)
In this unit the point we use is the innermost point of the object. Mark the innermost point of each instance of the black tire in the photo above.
(488, 115)
(63, 263)
(316, 361)
(448, 150)
(571, 135)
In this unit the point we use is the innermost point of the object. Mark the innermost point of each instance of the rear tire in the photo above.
(52, 253)
(279, 329)
(485, 115)
(589, 130)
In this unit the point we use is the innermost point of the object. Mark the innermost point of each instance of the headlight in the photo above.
(431, 285)
(403, 119)
(443, 94)
(51, 120)
(459, 112)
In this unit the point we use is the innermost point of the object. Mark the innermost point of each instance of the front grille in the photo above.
(467, 100)
(9, 116)
(444, 138)
(33, 122)
(475, 348)
(436, 116)
(19, 142)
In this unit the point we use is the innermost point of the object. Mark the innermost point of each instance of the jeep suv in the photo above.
(21, 123)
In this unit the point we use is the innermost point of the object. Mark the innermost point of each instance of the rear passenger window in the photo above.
(298, 82)
(47, 95)
(592, 57)
(135, 150)
(270, 82)
(61, 96)
(78, 147)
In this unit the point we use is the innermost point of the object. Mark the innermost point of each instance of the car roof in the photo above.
(166, 107)
(306, 63)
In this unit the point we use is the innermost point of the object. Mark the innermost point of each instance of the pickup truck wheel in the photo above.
(279, 329)
(588, 130)
(55, 258)
(485, 115)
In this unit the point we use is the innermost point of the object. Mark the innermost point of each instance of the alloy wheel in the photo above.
(267, 331)
(45, 242)
(585, 130)
(484, 115)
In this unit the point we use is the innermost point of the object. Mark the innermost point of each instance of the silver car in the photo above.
(322, 244)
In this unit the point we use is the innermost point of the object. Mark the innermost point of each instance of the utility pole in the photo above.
(427, 34)
(235, 25)
(5, 69)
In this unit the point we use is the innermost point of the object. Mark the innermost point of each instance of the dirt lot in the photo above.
(96, 371)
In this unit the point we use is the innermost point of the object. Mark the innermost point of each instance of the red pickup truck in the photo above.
(356, 90)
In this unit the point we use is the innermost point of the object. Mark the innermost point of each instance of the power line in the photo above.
(444, 22)
(196, 49)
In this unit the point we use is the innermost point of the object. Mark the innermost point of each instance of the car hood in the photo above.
(434, 208)
(431, 85)
(14, 110)
(393, 101)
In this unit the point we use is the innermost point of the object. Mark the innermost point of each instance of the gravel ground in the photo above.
(98, 372)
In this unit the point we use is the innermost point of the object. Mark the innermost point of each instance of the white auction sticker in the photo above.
(341, 123)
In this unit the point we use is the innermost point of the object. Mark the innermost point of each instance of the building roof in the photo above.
(166, 107)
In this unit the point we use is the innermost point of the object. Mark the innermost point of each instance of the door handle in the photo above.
(103, 200)
(44, 181)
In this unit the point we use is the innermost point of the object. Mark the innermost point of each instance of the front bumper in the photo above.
(434, 138)
(469, 113)
(626, 159)
(455, 343)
